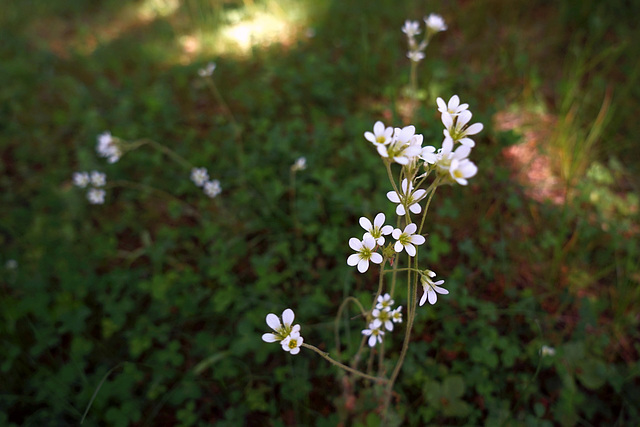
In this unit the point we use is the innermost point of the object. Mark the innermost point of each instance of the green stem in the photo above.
(145, 187)
(164, 149)
(342, 366)
(337, 321)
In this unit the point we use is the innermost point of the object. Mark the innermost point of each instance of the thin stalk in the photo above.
(343, 366)
(337, 321)
(144, 187)
(164, 149)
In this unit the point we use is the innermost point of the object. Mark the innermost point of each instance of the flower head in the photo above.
(411, 28)
(365, 252)
(396, 315)
(374, 333)
(453, 107)
(415, 55)
(199, 176)
(292, 343)
(458, 128)
(376, 230)
(401, 148)
(380, 135)
(431, 289)
(408, 198)
(460, 170)
(98, 179)
(208, 70)
(107, 147)
(435, 23)
(81, 179)
(407, 239)
(384, 302)
(299, 165)
(382, 318)
(96, 196)
(547, 351)
(282, 330)
(212, 188)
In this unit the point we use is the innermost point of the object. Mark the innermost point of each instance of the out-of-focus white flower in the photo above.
(310, 33)
(431, 289)
(428, 154)
(208, 70)
(108, 147)
(408, 198)
(11, 264)
(396, 315)
(199, 176)
(460, 170)
(382, 318)
(547, 351)
(81, 179)
(411, 28)
(453, 107)
(415, 55)
(384, 302)
(98, 179)
(365, 252)
(407, 239)
(292, 343)
(212, 188)
(380, 135)
(299, 165)
(457, 127)
(401, 149)
(446, 154)
(281, 330)
(376, 230)
(374, 333)
(96, 196)
(435, 23)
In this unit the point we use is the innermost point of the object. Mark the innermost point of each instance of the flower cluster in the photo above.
(94, 180)
(200, 177)
(383, 317)
(434, 24)
(108, 147)
(286, 333)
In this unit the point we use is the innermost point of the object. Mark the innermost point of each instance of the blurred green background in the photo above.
(141, 312)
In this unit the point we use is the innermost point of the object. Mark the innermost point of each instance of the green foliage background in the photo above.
(145, 313)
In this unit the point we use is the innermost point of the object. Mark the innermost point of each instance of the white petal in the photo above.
(363, 265)
(382, 150)
(372, 340)
(295, 350)
(441, 105)
(405, 184)
(287, 317)
(393, 196)
(411, 250)
(417, 239)
(378, 128)
(370, 137)
(273, 321)
(419, 194)
(440, 290)
(398, 247)
(474, 128)
(433, 297)
(379, 220)
(401, 160)
(369, 242)
(365, 223)
(400, 210)
(454, 102)
(355, 244)
(353, 260)
(423, 299)
(447, 120)
(396, 233)
(269, 338)
(411, 228)
(387, 229)
(415, 208)
(463, 118)
(467, 143)
(463, 151)
(376, 258)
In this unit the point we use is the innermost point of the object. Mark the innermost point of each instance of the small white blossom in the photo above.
(382, 318)
(415, 55)
(376, 230)
(81, 179)
(457, 127)
(11, 264)
(411, 28)
(435, 23)
(428, 154)
(408, 198)
(381, 134)
(282, 330)
(431, 289)
(365, 252)
(374, 333)
(547, 351)
(98, 179)
(107, 147)
(460, 170)
(453, 107)
(384, 302)
(445, 155)
(199, 176)
(401, 149)
(292, 343)
(299, 165)
(396, 315)
(208, 70)
(407, 239)
(96, 196)
(212, 188)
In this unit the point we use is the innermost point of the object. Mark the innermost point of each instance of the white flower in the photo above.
(453, 107)
(376, 230)
(98, 179)
(396, 315)
(292, 343)
(299, 165)
(199, 176)
(435, 23)
(407, 239)
(445, 155)
(415, 55)
(460, 170)
(380, 135)
(428, 154)
(411, 28)
(212, 188)
(401, 149)
(457, 129)
(208, 70)
(547, 351)
(282, 330)
(81, 179)
(11, 264)
(408, 197)
(431, 289)
(96, 196)
(374, 333)
(365, 253)
(107, 147)
(384, 302)
(382, 318)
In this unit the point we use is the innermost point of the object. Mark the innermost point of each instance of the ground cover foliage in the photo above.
(148, 310)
